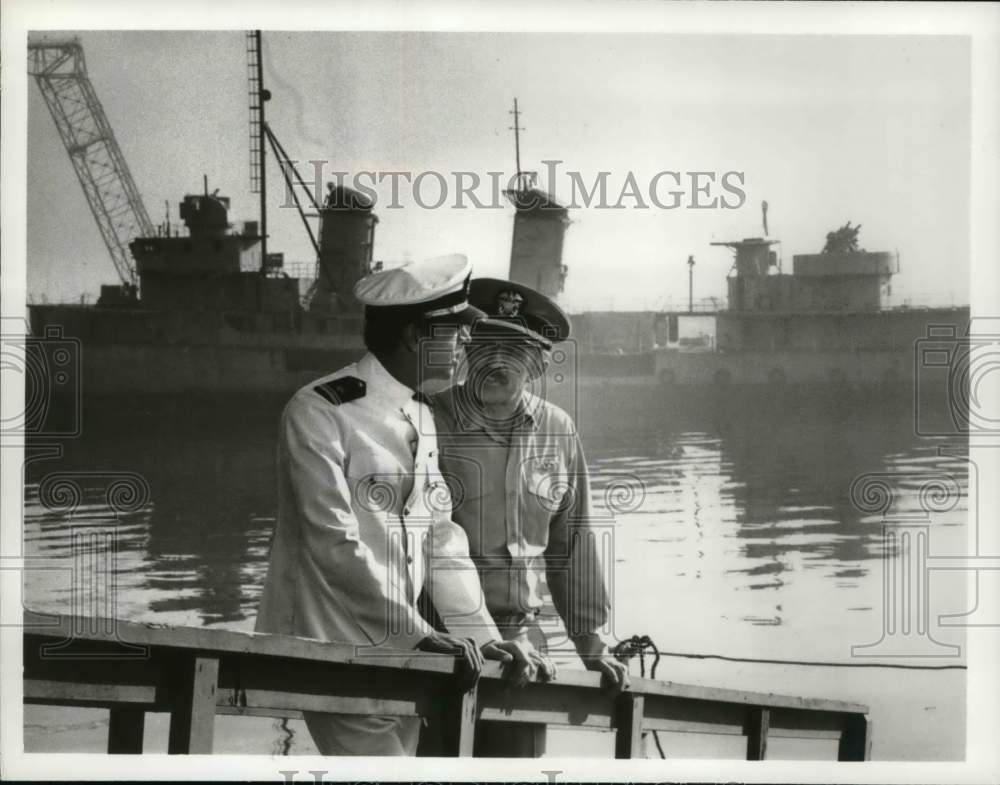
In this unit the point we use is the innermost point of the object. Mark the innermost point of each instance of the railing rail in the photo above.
(195, 674)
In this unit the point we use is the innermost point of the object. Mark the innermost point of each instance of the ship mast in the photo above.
(258, 134)
(516, 128)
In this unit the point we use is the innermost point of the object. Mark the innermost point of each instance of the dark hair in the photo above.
(384, 327)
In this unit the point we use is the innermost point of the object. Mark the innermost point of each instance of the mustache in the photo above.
(491, 372)
(496, 371)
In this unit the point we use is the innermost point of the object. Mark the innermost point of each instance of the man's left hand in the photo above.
(614, 674)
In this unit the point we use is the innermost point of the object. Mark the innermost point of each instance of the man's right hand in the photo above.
(464, 649)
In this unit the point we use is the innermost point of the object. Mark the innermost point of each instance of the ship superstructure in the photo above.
(208, 267)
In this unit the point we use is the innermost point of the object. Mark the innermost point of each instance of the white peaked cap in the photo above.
(437, 288)
(415, 283)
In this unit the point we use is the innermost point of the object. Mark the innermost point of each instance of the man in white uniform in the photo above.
(364, 518)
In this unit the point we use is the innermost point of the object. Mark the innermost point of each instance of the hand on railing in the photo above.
(523, 662)
(614, 674)
(596, 657)
(546, 667)
(464, 649)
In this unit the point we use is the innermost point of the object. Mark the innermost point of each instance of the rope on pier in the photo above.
(636, 646)
(809, 663)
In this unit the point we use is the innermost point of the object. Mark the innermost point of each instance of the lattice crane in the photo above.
(61, 74)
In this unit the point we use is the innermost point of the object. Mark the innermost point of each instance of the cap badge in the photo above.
(509, 303)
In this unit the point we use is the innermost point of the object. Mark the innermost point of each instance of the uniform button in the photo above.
(409, 560)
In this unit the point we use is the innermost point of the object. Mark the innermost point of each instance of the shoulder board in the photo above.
(342, 390)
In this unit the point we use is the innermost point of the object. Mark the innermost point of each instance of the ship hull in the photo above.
(784, 368)
(173, 353)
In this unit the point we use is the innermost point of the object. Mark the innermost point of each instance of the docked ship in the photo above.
(827, 324)
(205, 308)
(208, 317)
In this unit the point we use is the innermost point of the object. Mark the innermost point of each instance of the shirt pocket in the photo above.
(378, 480)
(545, 483)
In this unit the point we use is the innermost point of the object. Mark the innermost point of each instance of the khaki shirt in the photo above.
(523, 499)
(364, 519)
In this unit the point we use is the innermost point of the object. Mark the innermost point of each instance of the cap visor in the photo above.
(490, 326)
(466, 317)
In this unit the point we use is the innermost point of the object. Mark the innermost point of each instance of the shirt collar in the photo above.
(381, 383)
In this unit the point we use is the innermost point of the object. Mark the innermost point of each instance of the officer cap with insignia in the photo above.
(433, 289)
(514, 308)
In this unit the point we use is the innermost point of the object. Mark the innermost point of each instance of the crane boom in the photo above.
(61, 74)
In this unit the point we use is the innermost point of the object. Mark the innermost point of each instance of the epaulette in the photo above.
(342, 390)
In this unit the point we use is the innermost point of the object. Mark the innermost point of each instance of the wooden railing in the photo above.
(195, 674)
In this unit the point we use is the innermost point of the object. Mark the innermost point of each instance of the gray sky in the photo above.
(872, 129)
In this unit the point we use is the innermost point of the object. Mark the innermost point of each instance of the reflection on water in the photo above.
(744, 510)
(735, 535)
(748, 542)
(194, 554)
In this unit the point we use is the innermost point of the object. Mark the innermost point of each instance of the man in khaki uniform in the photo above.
(521, 488)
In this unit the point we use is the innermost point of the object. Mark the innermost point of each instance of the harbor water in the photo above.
(733, 534)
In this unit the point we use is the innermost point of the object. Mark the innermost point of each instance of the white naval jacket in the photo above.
(364, 518)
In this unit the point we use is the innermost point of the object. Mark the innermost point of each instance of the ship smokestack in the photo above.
(539, 228)
(537, 247)
(346, 243)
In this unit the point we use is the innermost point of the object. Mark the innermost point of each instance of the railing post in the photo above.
(192, 717)
(757, 724)
(125, 728)
(628, 725)
(856, 738)
(459, 725)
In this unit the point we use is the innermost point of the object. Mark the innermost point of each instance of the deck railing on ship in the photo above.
(195, 674)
